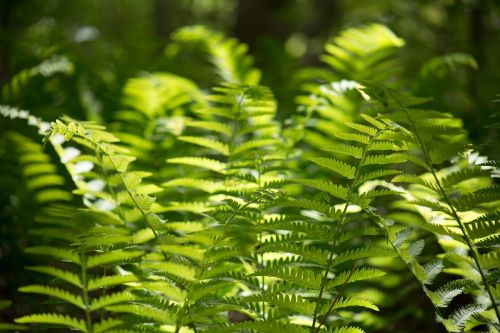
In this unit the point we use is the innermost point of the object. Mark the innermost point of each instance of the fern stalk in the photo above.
(85, 295)
(457, 218)
(337, 231)
(339, 294)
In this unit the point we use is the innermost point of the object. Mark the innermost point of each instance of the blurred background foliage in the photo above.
(107, 42)
(110, 41)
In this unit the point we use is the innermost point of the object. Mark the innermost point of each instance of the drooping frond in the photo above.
(229, 57)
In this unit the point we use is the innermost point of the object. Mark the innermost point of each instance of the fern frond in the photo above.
(365, 129)
(342, 168)
(54, 319)
(345, 302)
(459, 317)
(337, 191)
(374, 175)
(482, 196)
(483, 225)
(54, 292)
(345, 149)
(253, 144)
(202, 162)
(299, 276)
(150, 312)
(464, 174)
(364, 139)
(363, 252)
(384, 159)
(106, 324)
(347, 329)
(293, 302)
(110, 299)
(357, 275)
(55, 252)
(116, 256)
(58, 273)
(218, 146)
(110, 280)
(490, 260)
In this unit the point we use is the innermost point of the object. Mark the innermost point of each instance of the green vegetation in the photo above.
(353, 196)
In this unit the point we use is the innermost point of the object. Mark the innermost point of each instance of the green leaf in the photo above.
(483, 226)
(364, 139)
(58, 273)
(110, 299)
(345, 302)
(202, 162)
(362, 128)
(337, 191)
(357, 275)
(344, 169)
(111, 257)
(54, 292)
(345, 149)
(110, 280)
(106, 324)
(55, 252)
(121, 162)
(218, 146)
(53, 319)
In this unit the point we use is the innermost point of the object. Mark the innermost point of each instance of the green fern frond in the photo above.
(116, 256)
(147, 311)
(55, 252)
(357, 275)
(483, 225)
(482, 196)
(384, 159)
(58, 273)
(490, 260)
(346, 329)
(106, 324)
(363, 53)
(342, 168)
(375, 174)
(337, 191)
(345, 149)
(361, 138)
(298, 276)
(464, 174)
(215, 145)
(202, 162)
(459, 317)
(253, 144)
(54, 292)
(293, 302)
(54, 319)
(443, 296)
(230, 58)
(363, 252)
(345, 302)
(111, 299)
(110, 280)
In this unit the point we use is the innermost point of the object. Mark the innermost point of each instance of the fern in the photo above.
(438, 138)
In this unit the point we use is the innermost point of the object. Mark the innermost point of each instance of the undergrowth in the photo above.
(196, 210)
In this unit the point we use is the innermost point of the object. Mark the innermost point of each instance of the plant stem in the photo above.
(337, 231)
(85, 296)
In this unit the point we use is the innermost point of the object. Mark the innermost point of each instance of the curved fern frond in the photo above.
(54, 318)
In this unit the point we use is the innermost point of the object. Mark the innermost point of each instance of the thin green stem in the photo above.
(339, 294)
(85, 295)
(337, 231)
